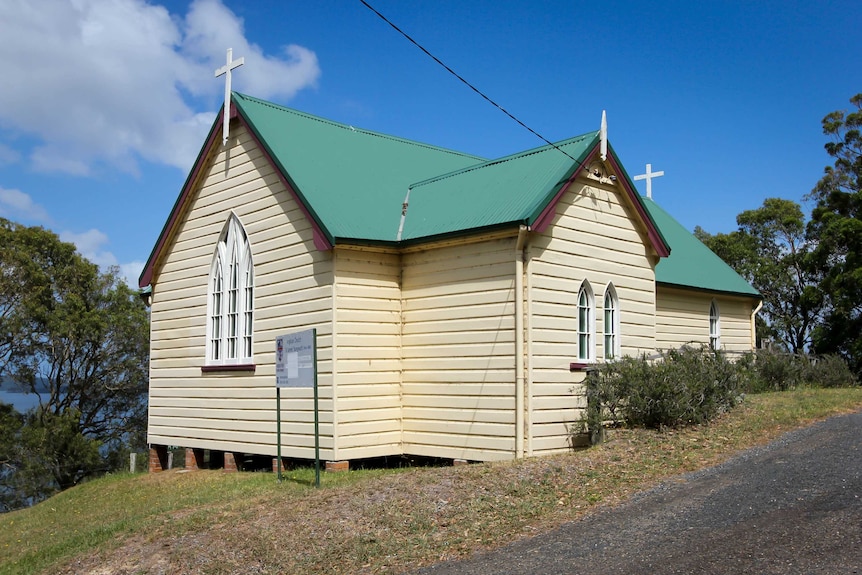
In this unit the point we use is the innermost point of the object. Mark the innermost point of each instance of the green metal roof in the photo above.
(353, 181)
(691, 264)
(514, 189)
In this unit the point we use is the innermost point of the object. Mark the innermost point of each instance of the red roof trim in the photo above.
(544, 220)
(547, 215)
(147, 275)
(654, 235)
(320, 240)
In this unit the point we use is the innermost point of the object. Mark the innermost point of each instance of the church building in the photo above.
(458, 301)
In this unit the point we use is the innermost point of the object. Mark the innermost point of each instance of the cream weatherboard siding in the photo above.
(235, 411)
(458, 345)
(682, 318)
(368, 357)
(594, 237)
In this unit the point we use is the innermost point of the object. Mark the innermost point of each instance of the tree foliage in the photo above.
(78, 339)
(11, 423)
(771, 251)
(43, 453)
(836, 223)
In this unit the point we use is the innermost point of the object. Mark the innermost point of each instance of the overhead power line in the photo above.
(471, 86)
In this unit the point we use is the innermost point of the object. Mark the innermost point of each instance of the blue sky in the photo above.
(105, 103)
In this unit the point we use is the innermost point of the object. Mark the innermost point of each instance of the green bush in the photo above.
(683, 387)
(781, 371)
(777, 371)
(693, 385)
(829, 371)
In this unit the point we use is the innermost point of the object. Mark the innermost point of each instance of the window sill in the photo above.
(245, 367)
(582, 366)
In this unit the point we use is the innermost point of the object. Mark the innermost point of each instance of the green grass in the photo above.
(369, 521)
(92, 515)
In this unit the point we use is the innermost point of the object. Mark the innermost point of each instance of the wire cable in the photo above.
(468, 84)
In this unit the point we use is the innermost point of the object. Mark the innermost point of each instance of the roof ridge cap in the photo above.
(553, 147)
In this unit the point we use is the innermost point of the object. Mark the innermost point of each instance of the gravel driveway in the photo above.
(791, 507)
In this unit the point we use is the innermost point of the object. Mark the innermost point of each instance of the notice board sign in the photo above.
(294, 359)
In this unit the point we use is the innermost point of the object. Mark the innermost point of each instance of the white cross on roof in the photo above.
(648, 176)
(225, 70)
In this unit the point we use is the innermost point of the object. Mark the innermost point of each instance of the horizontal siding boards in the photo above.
(458, 351)
(594, 237)
(237, 410)
(682, 317)
(736, 320)
(505, 416)
(380, 450)
(233, 410)
(368, 320)
(427, 447)
(289, 426)
(370, 414)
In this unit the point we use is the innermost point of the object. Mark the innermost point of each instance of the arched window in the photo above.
(230, 300)
(586, 323)
(612, 323)
(714, 326)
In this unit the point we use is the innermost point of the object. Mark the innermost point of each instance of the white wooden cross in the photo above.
(648, 176)
(225, 70)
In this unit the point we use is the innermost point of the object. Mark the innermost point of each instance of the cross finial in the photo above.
(225, 70)
(648, 176)
(603, 137)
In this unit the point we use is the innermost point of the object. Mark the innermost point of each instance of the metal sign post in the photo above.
(278, 427)
(296, 366)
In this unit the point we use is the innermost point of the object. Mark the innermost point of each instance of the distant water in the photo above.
(20, 401)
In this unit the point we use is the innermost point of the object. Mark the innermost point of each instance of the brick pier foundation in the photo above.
(337, 466)
(158, 458)
(231, 463)
(194, 458)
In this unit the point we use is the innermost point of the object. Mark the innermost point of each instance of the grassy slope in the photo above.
(369, 522)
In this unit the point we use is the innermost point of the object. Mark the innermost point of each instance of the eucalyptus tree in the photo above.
(770, 249)
(836, 223)
(77, 338)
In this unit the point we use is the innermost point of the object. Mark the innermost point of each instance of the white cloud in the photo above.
(210, 29)
(18, 206)
(91, 244)
(107, 82)
(130, 272)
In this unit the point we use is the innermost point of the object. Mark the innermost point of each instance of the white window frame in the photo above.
(611, 322)
(586, 323)
(230, 299)
(714, 326)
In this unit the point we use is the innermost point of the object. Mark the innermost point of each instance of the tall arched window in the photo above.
(586, 323)
(612, 323)
(230, 307)
(714, 326)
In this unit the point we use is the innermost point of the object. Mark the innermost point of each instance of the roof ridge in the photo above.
(364, 131)
(511, 157)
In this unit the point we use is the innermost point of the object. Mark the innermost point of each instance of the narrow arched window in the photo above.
(230, 307)
(586, 323)
(714, 326)
(612, 323)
